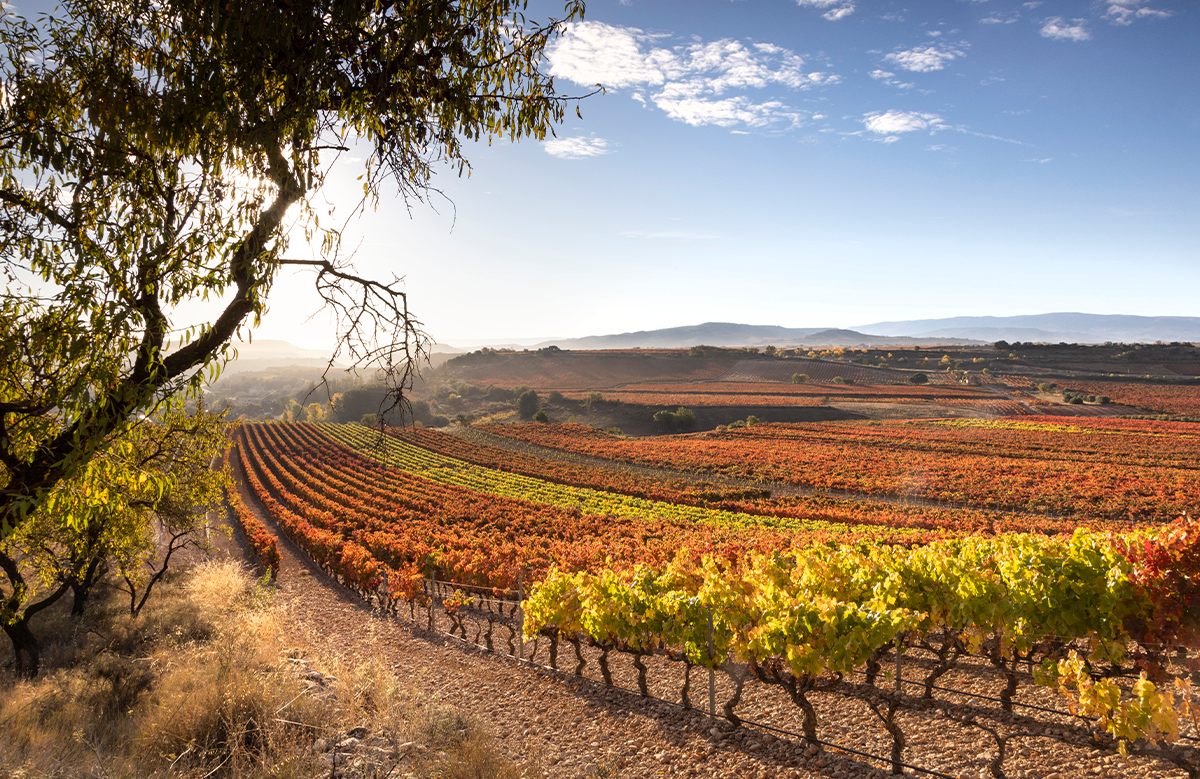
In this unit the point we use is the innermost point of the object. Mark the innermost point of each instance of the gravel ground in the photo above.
(577, 726)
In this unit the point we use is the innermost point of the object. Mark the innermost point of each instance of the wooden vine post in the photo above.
(712, 672)
(520, 616)
(432, 597)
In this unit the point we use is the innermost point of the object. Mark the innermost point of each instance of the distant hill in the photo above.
(731, 334)
(266, 353)
(1052, 328)
(961, 331)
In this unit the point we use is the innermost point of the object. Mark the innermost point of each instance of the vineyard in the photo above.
(589, 370)
(857, 638)
(817, 370)
(751, 394)
(1172, 399)
(1095, 469)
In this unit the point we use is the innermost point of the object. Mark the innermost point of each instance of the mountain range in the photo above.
(1048, 328)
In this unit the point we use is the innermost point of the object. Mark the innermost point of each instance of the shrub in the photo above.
(680, 419)
(799, 378)
(918, 378)
(541, 416)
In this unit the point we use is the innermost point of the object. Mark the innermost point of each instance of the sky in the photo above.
(815, 163)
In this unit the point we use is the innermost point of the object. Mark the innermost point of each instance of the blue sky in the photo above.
(829, 163)
(818, 163)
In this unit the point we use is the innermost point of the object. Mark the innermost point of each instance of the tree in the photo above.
(157, 153)
(541, 416)
(527, 404)
(132, 507)
(918, 378)
(799, 378)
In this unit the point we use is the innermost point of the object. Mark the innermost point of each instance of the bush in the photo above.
(752, 420)
(799, 378)
(680, 419)
(918, 378)
(541, 416)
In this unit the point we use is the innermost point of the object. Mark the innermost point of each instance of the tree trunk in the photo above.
(26, 649)
(81, 588)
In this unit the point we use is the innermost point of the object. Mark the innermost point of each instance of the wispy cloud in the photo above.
(1124, 12)
(670, 235)
(838, 9)
(1000, 138)
(890, 79)
(1059, 29)
(576, 148)
(1000, 19)
(697, 83)
(922, 59)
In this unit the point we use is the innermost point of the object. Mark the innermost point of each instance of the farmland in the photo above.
(1088, 469)
(975, 543)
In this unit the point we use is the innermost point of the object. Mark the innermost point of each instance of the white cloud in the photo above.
(591, 53)
(1058, 29)
(577, 148)
(889, 79)
(1124, 12)
(892, 122)
(923, 59)
(698, 83)
(838, 9)
(998, 19)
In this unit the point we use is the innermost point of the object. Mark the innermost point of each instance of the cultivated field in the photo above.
(1006, 593)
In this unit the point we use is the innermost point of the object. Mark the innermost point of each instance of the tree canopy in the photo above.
(157, 152)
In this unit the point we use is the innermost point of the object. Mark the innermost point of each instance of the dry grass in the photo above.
(208, 682)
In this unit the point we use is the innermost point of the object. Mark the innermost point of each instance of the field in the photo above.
(798, 560)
